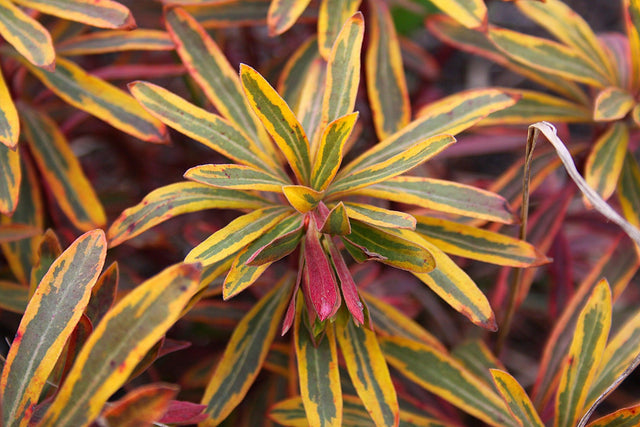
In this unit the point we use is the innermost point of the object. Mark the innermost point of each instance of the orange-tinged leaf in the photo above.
(584, 357)
(368, 371)
(115, 41)
(48, 321)
(237, 234)
(332, 16)
(283, 14)
(438, 372)
(245, 353)
(16, 231)
(612, 103)
(343, 71)
(470, 13)
(386, 83)
(62, 170)
(626, 417)
(49, 249)
(516, 399)
(329, 154)
(10, 178)
(141, 406)
(302, 198)
(13, 296)
(631, 10)
(9, 123)
(319, 376)
(103, 294)
(119, 342)
(236, 177)
(101, 99)
(605, 161)
(99, 13)
(26, 35)
(175, 199)
(549, 56)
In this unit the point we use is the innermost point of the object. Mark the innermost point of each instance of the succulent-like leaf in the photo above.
(380, 217)
(11, 176)
(108, 357)
(584, 357)
(115, 41)
(141, 406)
(176, 199)
(99, 13)
(9, 123)
(368, 371)
(332, 15)
(330, 151)
(62, 170)
(386, 83)
(26, 35)
(319, 376)
(516, 399)
(236, 177)
(244, 355)
(48, 321)
(283, 14)
(612, 103)
(606, 159)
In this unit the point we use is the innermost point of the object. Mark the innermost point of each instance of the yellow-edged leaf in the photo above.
(337, 221)
(629, 190)
(99, 13)
(295, 71)
(626, 417)
(26, 35)
(235, 235)
(115, 41)
(516, 399)
(330, 151)
(380, 217)
(332, 16)
(605, 161)
(49, 249)
(244, 355)
(584, 357)
(62, 170)
(302, 198)
(319, 375)
(119, 342)
(635, 114)
(141, 406)
(283, 14)
(631, 10)
(475, 243)
(9, 123)
(48, 321)
(470, 13)
(311, 94)
(386, 83)
(101, 99)
(10, 178)
(368, 371)
(175, 199)
(477, 358)
(236, 177)
(612, 103)
(17, 231)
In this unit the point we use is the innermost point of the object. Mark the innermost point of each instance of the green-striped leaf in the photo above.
(295, 72)
(549, 56)
(332, 15)
(391, 249)
(444, 196)
(386, 83)
(389, 167)
(477, 358)
(231, 14)
(48, 321)
(105, 101)
(10, 178)
(337, 221)
(16, 231)
(584, 357)
(115, 41)
(201, 125)
(309, 110)
(343, 71)
(516, 399)
(62, 170)
(631, 11)
(245, 354)
(99, 13)
(302, 198)
(606, 159)
(13, 297)
(141, 406)
(436, 371)
(235, 235)
(330, 151)
(629, 189)
(9, 123)
(449, 115)
(627, 417)
(26, 35)
(475, 243)
(612, 103)
(279, 120)
(470, 13)
(319, 376)
(236, 177)
(49, 249)
(108, 357)
(213, 73)
(380, 217)
(176, 199)
(283, 14)
(368, 371)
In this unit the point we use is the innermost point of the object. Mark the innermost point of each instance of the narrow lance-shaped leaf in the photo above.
(584, 357)
(235, 235)
(320, 281)
(337, 221)
(236, 177)
(213, 73)
(332, 16)
(626, 417)
(309, 110)
(103, 294)
(175, 199)
(631, 10)
(244, 355)
(62, 170)
(343, 71)
(283, 14)
(380, 217)
(10, 178)
(606, 159)
(368, 371)
(295, 70)
(9, 123)
(105, 101)
(319, 376)
(26, 35)
(17, 231)
(49, 249)
(516, 399)
(612, 103)
(141, 406)
(330, 151)
(386, 83)
(347, 285)
(477, 358)
(470, 13)
(115, 41)
(629, 189)
(48, 321)
(119, 342)
(98, 13)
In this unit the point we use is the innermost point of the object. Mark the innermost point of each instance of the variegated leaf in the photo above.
(99, 13)
(605, 161)
(26, 35)
(516, 399)
(115, 41)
